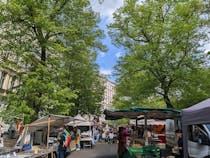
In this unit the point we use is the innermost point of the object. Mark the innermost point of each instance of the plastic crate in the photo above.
(151, 152)
(136, 152)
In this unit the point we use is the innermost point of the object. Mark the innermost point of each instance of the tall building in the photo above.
(109, 92)
(8, 72)
(7, 81)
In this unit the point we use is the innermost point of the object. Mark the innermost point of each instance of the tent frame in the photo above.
(196, 114)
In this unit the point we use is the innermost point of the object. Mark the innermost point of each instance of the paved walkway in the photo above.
(98, 151)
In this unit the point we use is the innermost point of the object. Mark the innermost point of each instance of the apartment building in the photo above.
(8, 78)
(109, 92)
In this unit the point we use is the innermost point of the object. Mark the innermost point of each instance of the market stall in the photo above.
(143, 114)
(38, 137)
(86, 130)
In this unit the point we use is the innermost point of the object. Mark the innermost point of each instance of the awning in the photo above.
(149, 122)
(54, 120)
(141, 113)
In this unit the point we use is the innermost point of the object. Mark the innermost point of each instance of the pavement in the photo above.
(98, 151)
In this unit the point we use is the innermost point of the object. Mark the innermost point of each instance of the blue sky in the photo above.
(109, 59)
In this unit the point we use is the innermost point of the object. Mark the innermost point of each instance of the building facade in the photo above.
(109, 92)
(8, 73)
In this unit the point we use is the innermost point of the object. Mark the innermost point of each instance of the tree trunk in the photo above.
(167, 101)
(43, 54)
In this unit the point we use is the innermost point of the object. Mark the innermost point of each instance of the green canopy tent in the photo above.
(142, 113)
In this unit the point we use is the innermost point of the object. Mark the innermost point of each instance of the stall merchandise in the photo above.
(145, 139)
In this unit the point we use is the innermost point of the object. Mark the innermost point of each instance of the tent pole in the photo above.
(48, 132)
(145, 129)
(136, 122)
(89, 123)
(185, 136)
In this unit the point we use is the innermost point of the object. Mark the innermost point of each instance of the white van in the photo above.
(198, 145)
(199, 141)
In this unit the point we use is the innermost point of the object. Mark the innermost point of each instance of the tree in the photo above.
(40, 95)
(39, 35)
(163, 44)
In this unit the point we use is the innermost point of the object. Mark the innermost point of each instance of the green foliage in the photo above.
(52, 49)
(197, 91)
(119, 122)
(163, 47)
(38, 94)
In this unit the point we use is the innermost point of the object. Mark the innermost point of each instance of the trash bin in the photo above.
(151, 152)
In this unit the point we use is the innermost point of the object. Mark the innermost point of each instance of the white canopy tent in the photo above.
(78, 120)
(80, 123)
(47, 122)
(78, 117)
(196, 114)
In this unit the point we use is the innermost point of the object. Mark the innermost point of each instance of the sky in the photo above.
(108, 60)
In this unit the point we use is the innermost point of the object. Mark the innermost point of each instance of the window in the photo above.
(5, 55)
(2, 78)
(12, 82)
(198, 134)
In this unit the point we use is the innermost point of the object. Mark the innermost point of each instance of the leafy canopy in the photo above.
(163, 40)
(49, 44)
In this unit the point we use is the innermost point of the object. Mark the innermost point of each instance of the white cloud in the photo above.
(107, 8)
(102, 54)
(118, 54)
(206, 51)
(106, 72)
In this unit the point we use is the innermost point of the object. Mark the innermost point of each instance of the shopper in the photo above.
(122, 141)
(179, 146)
(61, 146)
(78, 137)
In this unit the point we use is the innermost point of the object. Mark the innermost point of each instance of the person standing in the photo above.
(179, 146)
(78, 137)
(67, 141)
(111, 137)
(20, 128)
(122, 141)
(11, 131)
(61, 146)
